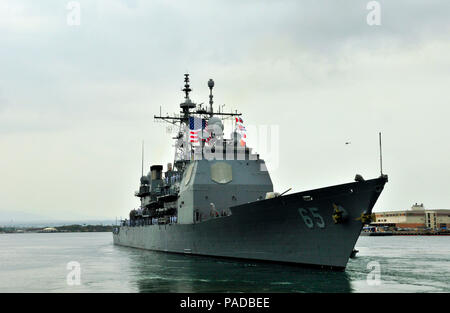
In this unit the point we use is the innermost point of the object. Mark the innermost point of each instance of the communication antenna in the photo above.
(381, 155)
(286, 191)
(142, 167)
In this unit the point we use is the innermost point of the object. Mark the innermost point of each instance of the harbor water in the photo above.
(89, 262)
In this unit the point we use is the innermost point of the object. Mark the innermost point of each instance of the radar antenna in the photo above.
(187, 104)
(187, 89)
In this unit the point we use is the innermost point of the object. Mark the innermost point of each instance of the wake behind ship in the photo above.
(218, 200)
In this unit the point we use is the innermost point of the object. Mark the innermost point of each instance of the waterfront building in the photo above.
(49, 230)
(416, 217)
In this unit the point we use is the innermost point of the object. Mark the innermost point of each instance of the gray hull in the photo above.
(297, 228)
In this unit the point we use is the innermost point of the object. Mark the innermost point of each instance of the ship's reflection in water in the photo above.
(162, 272)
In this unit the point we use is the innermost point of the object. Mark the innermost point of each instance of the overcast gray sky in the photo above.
(76, 101)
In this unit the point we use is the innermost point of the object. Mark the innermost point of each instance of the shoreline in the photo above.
(58, 229)
(383, 234)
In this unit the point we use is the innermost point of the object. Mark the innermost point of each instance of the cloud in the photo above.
(76, 101)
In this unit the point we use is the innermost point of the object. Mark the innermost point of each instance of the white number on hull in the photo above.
(317, 216)
(308, 220)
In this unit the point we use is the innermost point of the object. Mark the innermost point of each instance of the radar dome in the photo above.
(215, 121)
(215, 125)
(145, 180)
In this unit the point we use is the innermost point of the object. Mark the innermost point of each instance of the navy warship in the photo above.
(217, 199)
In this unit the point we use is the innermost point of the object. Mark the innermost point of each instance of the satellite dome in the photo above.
(145, 180)
(215, 121)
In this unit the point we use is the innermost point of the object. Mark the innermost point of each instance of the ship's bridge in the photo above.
(219, 185)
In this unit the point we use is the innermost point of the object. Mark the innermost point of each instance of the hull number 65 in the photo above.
(311, 217)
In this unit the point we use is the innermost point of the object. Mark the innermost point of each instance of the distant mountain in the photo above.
(8, 217)
(20, 218)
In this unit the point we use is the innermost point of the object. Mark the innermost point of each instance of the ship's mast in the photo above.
(185, 114)
(210, 85)
(142, 165)
(187, 104)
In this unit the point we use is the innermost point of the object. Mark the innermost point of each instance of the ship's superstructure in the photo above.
(211, 174)
(217, 199)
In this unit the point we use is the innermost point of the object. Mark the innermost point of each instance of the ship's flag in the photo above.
(207, 140)
(196, 125)
(244, 139)
(240, 128)
(240, 124)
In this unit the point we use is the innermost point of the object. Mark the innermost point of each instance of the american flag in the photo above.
(196, 125)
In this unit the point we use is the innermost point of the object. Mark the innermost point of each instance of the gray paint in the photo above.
(269, 230)
(227, 178)
(248, 184)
